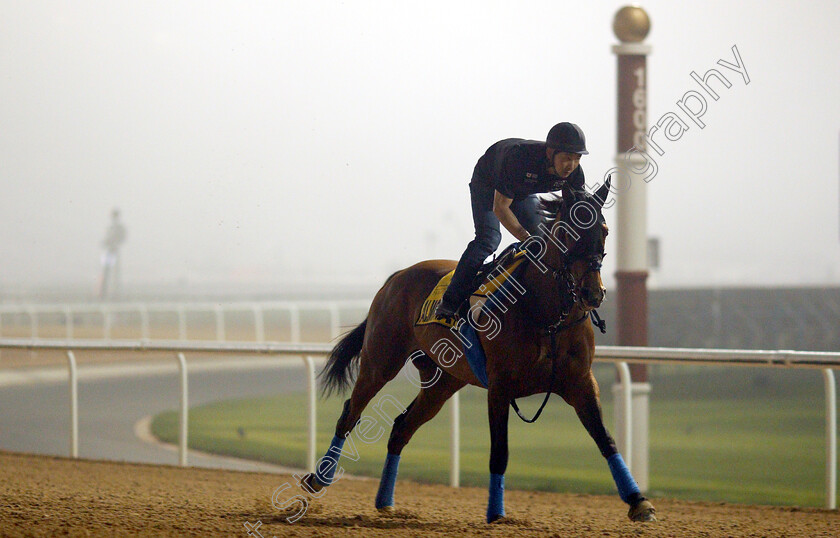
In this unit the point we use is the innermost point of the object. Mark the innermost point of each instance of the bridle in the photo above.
(568, 286)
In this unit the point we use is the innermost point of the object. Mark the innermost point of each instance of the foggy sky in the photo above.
(277, 142)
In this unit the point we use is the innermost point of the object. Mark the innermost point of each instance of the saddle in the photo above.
(490, 279)
(510, 254)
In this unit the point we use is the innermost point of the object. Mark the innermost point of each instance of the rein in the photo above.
(552, 333)
(553, 329)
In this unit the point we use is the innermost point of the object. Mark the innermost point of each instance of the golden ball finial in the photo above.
(631, 24)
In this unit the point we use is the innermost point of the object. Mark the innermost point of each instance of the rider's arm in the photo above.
(501, 208)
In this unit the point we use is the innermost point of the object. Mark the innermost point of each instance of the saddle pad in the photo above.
(495, 279)
(475, 354)
(427, 311)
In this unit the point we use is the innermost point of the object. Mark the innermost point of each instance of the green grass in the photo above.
(737, 435)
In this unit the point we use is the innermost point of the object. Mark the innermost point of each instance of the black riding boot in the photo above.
(460, 287)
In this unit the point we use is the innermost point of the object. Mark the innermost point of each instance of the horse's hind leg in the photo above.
(584, 398)
(436, 390)
(374, 373)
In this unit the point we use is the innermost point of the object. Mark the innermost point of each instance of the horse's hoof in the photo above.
(310, 484)
(387, 510)
(642, 511)
(498, 518)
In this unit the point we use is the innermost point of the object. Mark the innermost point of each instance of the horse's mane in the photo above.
(550, 206)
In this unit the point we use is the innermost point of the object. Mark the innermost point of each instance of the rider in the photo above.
(503, 189)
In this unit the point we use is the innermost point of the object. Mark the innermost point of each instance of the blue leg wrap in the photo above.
(623, 479)
(385, 495)
(325, 469)
(496, 501)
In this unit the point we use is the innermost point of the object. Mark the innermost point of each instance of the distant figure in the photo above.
(114, 238)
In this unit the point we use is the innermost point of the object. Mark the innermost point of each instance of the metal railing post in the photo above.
(74, 405)
(627, 409)
(259, 323)
(830, 440)
(310, 406)
(455, 441)
(184, 414)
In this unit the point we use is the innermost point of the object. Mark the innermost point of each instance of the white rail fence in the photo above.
(823, 361)
(106, 313)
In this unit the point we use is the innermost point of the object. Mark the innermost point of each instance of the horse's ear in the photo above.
(601, 194)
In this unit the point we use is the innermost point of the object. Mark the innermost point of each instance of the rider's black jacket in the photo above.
(518, 168)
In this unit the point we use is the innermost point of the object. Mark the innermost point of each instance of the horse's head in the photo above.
(575, 245)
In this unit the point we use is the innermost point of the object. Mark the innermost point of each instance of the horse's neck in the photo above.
(542, 305)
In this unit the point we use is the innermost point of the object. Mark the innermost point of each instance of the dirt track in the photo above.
(45, 496)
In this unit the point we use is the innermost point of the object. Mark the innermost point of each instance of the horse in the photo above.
(543, 342)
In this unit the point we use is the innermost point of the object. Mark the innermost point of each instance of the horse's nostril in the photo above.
(593, 297)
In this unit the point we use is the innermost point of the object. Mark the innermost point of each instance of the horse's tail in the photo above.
(343, 363)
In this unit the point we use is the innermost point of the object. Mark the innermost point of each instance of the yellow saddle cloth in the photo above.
(494, 280)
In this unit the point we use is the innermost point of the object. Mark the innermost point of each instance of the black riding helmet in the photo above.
(567, 137)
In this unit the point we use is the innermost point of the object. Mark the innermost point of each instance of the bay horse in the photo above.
(544, 342)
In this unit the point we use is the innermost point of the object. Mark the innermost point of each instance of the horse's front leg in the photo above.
(584, 398)
(498, 406)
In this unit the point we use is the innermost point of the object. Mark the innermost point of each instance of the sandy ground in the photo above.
(47, 496)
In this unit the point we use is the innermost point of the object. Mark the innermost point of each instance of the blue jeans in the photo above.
(487, 238)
